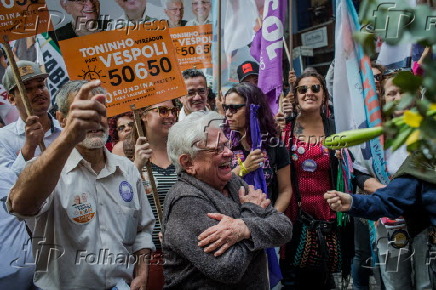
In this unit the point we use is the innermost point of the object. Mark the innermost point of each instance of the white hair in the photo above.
(184, 134)
(166, 2)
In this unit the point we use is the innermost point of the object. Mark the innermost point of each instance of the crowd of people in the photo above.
(242, 197)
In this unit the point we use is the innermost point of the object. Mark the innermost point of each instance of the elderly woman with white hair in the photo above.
(215, 226)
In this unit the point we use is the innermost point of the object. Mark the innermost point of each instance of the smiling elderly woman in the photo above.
(215, 227)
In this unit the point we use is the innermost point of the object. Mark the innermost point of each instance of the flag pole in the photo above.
(291, 44)
(219, 51)
(155, 193)
(20, 84)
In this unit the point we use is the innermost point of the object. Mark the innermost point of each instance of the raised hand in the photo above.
(86, 113)
(142, 152)
(34, 137)
(254, 160)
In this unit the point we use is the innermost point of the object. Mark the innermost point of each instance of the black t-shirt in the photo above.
(277, 158)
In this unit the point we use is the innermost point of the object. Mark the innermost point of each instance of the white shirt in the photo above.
(195, 22)
(93, 224)
(12, 139)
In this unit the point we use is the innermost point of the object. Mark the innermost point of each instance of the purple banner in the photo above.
(267, 49)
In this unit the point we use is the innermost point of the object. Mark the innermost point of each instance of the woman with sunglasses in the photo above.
(314, 170)
(273, 158)
(156, 123)
(119, 128)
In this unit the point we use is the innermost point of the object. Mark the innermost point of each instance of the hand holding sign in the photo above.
(86, 114)
(34, 137)
(142, 152)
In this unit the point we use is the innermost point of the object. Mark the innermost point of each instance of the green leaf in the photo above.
(389, 108)
(407, 81)
(407, 100)
(366, 40)
(427, 127)
(401, 138)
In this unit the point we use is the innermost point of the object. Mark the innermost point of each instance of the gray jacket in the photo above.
(244, 265)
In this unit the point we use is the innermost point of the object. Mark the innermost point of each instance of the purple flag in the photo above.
(267, 49)
(257, 179)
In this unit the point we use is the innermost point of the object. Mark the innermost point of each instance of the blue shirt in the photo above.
(12, 139)
(404, 196)
(16, 263)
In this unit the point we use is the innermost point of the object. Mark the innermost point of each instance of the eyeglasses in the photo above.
(303, 89)
(233, 108)
(164, 111)
(378, 77)
(176, 9)
(193, 92)
(219, 149)
(123, 127)
(201, 2)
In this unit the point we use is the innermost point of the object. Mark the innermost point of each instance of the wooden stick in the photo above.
(138, 126)
(288, 54)
(291, 44)
(19, 82)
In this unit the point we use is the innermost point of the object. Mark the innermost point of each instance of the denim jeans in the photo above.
(361, 267)
(409, 268)
(432, 265)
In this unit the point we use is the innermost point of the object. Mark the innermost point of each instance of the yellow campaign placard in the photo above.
(193, 46)
(139, 68)
(24, 18)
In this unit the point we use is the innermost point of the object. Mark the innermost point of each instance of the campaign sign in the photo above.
(139, 68)
(193, 46)
(24, 18)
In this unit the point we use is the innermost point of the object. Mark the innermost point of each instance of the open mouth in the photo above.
(225, 165)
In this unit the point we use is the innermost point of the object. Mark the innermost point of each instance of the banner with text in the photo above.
(140, 69)
(193, 46)
(19, 19)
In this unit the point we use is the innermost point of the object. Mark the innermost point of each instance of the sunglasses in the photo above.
(378, 77)
(123, 127)
(303, 89)
(233, 108)
(164, 111)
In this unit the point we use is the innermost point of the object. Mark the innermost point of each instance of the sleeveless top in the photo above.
(312, 169)
(164, 178)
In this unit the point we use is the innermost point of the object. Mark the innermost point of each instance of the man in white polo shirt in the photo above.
(93, 222)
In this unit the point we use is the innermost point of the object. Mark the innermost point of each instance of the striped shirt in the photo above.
(164, 179)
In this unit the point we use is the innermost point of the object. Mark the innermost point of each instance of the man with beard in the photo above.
(85, 14)
(88, 205)
(196, 98)
(19, 140)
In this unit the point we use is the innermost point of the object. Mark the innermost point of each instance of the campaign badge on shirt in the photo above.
(324, 150)
(301, 150)
(81, 209)
(309, 165)
(126, 191)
